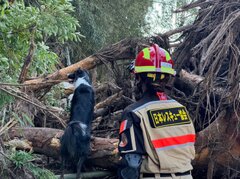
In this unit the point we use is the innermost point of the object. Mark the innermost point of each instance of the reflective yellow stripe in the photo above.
(168, 70)
(167, 55)
(153, 69)
(145, 69)
(146, 53)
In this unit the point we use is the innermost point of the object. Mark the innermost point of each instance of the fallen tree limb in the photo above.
(177, 30)
(28, 59)
(107, 86)
(33, 101)
(198, 3)
(101, 112)
(109, 100)
(47, 141)
(114, 117)
(104, 90)
(114, 102)
(190, 82)
(85, 175)
(125, 49)
(220, 139)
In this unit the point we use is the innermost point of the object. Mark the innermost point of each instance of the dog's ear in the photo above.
(79, 71)
(71, 76)
(77, 74)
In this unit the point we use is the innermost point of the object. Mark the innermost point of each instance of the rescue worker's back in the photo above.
(156, 137)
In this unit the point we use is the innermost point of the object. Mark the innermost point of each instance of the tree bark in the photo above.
(122, 50)
(220, 141)
(29, 57)
(187, 82)
(109, 100)
(46, 141)
(125, 49)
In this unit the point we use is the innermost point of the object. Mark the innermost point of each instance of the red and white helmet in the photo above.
(154, 59)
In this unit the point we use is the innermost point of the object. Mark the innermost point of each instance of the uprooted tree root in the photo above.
(211, 49)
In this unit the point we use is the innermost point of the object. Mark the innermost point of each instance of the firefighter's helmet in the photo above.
(154, 59)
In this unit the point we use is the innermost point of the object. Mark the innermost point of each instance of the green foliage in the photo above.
(40, 173)
(57, 93)
(23, 119)
(4, 66)
(22, 160)
(44, 60)
(4, 4)
(56, 19)
(47, 22)
(5, 99)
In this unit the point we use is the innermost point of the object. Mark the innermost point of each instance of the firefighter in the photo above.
(156, 137)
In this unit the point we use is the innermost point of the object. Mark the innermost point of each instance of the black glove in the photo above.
(131, 170)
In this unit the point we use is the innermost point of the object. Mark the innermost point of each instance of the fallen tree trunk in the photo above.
(190, 81)
(47, 141)
(109, 100)
(220, 141)
(125, 49)
(218, 146)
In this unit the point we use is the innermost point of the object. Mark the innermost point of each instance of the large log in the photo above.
(188, 82)
(47, 141)
(219, 141)
(124, 49)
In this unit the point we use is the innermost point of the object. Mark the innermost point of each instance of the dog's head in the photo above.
(79, 77)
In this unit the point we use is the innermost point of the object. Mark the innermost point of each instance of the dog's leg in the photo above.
(62, 168)
(79, 167)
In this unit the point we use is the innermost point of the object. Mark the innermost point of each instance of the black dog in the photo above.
(75, 142)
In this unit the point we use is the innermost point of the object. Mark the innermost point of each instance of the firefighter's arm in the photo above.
(131, 146)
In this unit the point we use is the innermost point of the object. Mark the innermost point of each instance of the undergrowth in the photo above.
(21, 164)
